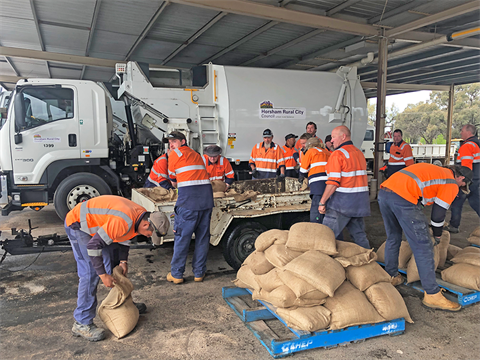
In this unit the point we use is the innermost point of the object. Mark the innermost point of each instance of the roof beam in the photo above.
(341, 6)
(442, 15)
(398, 10)
(408, 87)
(281, 14)
(90, 33)
(441, 70)
(10, 79)
(39, 33)
(195, 36)
(9, 62)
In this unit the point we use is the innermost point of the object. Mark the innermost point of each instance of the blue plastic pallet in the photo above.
(254, 320)
(475, 245)
(455, 293)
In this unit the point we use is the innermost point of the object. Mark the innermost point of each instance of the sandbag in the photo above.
(412, 271)
(241, 284)
(269, 281)
(443, 248)
(298, 286)
(469, 255)
(358, 260)
(362, 277)
(474, 240)
(307, 236)
(476, 232)
(270, 237)
(280, 255)
(319, 270)
(217, 195)
(350, 307)
(313, 298)
(306, 319)
(465, 275)
(117, 311)
(387, 301)
(249, 194)
(281, 297)
(452, 250)
(258, 263)
(159, 194)
(348, 249)
(404, 254)
(218, 186)
(246, 276)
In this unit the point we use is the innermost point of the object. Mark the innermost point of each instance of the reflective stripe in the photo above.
(345, 152)
(156, 173)
(93, 252)
(427, 183)
(321, 163)
(442, 203)
(229, 173)
(84, 211)
(466, 157)
(178, 152)
(408, 158)
(103, 234)
(258, 146)
(354, 173)
(252, 159)
(288, 158)
(403, 146)
(352, 190)
(440, 224)
(204, 161)
(334, 174)
(267, 160)
(153, 181)
(318, 178)
(476, 161)
(83, 218)
(290, 167)
(171, 172)
(221, 160)
(396, 163)
(189, 168)
(216, 178)
(396, 158)
(266, 170)
(193, 182)
(302, 170)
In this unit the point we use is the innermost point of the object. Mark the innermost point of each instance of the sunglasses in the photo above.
(152, 228)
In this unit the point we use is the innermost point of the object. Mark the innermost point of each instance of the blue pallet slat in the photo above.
(300, 340)
(475, 245)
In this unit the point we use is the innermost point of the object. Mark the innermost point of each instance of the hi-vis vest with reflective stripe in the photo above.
(112, 217)
(431, 183)
(186, 167)
(401, 155)
(290, 162)
(267, 161)
(159, 170)
(221, 170)
(313, 164)
(469, 156)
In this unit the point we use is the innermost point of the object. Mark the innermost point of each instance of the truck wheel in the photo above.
(78, 188)
(240, 242)
(437, 162)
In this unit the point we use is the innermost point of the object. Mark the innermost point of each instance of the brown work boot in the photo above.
(199, 279)
(397, 280)
(438, 301)
(90, 332)
(174, 280)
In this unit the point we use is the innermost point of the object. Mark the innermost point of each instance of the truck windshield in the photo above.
(44, 105)
(368, 135)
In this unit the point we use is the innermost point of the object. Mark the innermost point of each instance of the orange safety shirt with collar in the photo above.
(159, 172)
(221, 170)
(469, 156)
(297, 144)
(347, 170)
(314, 164)
(290, 161)
(400, 157)
(267, 161)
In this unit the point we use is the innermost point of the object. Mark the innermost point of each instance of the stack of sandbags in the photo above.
(466, 269)
(404, 254)
(475, 237)
(117, 311)
(302, 272)
(412, 270)
(159, 194)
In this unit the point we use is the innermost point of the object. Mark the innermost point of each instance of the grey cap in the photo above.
(174, 135)
(160, 223)
(267, 133)
(212, 150)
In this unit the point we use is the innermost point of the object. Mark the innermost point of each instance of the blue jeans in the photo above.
(457, 205)
(186, 223)
(399, 214)
(355, 225)
(315, 216)
(88, 278)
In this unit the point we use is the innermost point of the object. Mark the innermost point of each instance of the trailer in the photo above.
(237, 224)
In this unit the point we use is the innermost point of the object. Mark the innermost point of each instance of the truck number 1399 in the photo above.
(48, 145)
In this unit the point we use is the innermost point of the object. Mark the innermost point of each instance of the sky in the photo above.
(402, 100)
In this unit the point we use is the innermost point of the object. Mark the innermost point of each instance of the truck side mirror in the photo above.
(19, 106)
(18, 138)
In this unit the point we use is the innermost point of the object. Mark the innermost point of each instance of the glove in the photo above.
(437, 240)
(300, 179)
(254, 173)
(281, 176)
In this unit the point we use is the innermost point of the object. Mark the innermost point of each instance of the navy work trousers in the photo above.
(186, 223)
(399, 214)
(315, 216)
(457, 205)
(88, 278)
(355, 225)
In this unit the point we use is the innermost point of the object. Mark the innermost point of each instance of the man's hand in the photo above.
(281, 176)
(124, 266)
(322, 209)
(108, 280)
(437, 240)
(300, 179)
(254, 173)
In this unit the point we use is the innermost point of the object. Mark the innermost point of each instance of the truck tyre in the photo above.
(438, 162)
(240, 242)
(78, 188)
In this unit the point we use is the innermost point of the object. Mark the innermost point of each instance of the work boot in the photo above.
(451, 229)
(174, 280)
(199, 279)
(438, 301)
(397, 280)
(142, 308)
(90, 332)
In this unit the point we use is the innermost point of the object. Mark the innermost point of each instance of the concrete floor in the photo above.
(190, 321)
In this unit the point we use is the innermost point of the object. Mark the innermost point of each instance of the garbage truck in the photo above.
(61, 143)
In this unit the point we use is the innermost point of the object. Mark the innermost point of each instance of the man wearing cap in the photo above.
(218, 168)
(158, 175)
(401, 200)
(289, 152)
(193, 209)
(313, 164)
(99, 231)
(267, 158)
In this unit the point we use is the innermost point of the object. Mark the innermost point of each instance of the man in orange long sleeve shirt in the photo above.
(400, 154)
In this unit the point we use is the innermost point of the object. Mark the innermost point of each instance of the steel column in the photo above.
(451, 94)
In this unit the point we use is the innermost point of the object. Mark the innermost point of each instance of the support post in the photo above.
(451, 94)
(381, 95)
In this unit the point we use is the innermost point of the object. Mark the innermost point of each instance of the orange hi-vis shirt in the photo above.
(186, 168)
(314, 164)
(221, 170)
(401, 155)
(159, 171)
(290, 161)
(469, 156)
(347, 170)
(267, 161)
(297, 144)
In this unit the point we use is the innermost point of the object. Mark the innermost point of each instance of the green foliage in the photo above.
(390, 118)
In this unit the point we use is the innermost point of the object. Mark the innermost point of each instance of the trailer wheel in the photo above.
(78, 188)
(240, 242)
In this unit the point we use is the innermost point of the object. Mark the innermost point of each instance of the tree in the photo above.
(391, 115)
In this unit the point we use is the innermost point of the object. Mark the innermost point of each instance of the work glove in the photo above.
(437, 240)
(300, 179)
(254, 173)
(281, 177)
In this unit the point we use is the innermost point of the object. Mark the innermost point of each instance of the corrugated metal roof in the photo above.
(106, 42)
(19, 9)
(68, 41)
(20, 33)
(71, 12)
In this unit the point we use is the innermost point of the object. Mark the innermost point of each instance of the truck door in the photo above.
(49, 131)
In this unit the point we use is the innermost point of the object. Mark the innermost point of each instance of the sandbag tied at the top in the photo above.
(280, 255)
(412, 270)
(388, 301)
(475, 236)
(404, 254)
(319, 270)
(452, 250)
(358, 260)
(270, 237)
(218, 186)
(258, 263)
(300, 287)
(246, 278)
(465, 275)
(348, 249)
(362, 277)
(269, 281)
(469, 255)
(307, 236)
(307, 319)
